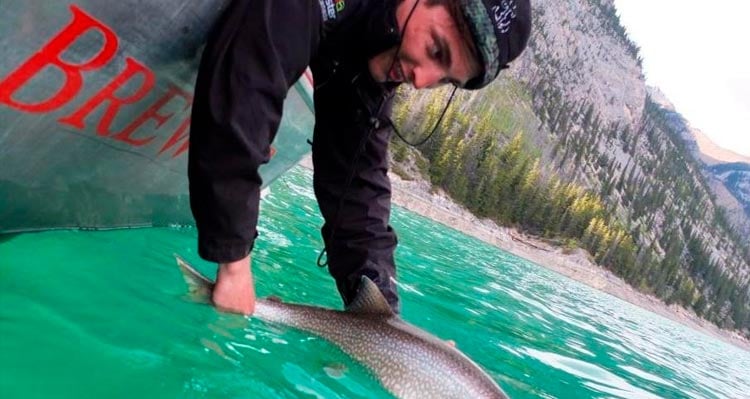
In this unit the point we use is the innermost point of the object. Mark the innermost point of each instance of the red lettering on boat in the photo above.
(182, 133)
(107, 94)
(153, 113)
(49, 56)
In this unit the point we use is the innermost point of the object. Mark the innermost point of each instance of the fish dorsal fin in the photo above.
(199, 286)
(369, 300)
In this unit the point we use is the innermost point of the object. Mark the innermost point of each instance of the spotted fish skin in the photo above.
(408, 361)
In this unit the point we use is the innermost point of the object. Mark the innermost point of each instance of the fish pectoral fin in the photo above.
(200, 287)
(369, 300)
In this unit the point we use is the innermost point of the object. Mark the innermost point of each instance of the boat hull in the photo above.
(95, 102)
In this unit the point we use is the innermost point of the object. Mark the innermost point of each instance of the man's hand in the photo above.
(234, 291)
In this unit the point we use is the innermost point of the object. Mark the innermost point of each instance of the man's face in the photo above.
(433, 51)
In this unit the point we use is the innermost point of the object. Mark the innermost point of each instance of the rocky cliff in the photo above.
(580, 48)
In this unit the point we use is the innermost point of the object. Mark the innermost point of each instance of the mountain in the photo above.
(706, 150)
(736, 178)
(725, 171)
(572, 145)
(712, 154)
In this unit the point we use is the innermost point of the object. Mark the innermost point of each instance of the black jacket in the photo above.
(257, 50)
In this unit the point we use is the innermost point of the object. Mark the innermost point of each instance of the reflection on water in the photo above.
(105, 315)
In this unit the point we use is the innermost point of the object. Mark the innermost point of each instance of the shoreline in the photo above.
(417, 196)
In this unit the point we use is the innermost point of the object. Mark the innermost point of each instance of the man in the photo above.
(359, 51)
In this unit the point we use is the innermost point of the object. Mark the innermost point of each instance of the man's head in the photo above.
(463, 42)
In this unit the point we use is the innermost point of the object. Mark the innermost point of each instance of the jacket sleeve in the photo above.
(350, 142)
(254, 53)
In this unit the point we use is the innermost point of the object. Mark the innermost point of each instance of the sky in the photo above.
(698, 54)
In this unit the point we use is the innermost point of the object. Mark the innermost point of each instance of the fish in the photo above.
(408, 362)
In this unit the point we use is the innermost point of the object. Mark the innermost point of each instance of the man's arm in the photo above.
(359, 241)
(256, 51)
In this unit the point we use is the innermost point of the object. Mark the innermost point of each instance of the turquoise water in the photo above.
(103, 314)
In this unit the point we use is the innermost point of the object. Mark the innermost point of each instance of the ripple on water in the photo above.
(481, 290)
(306, 383)
(278, 240)
(594, 376)
(619, 348)
(336, 371)
(515, 352)
(646, 376)
(409, 288)
(579, 347)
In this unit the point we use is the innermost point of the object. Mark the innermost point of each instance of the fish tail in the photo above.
(200, 287)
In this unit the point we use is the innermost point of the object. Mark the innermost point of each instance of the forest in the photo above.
(642, 220)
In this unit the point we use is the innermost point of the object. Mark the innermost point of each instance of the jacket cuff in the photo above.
(223, 251)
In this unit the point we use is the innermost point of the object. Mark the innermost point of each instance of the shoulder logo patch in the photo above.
(331, 8)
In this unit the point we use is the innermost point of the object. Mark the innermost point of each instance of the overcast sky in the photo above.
(698, 54)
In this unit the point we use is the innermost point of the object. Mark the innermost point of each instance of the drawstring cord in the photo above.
(374, 125)
(434, 128)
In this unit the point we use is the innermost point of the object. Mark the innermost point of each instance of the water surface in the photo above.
(103, 314)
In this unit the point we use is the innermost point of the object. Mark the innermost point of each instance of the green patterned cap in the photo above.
(500, 29)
